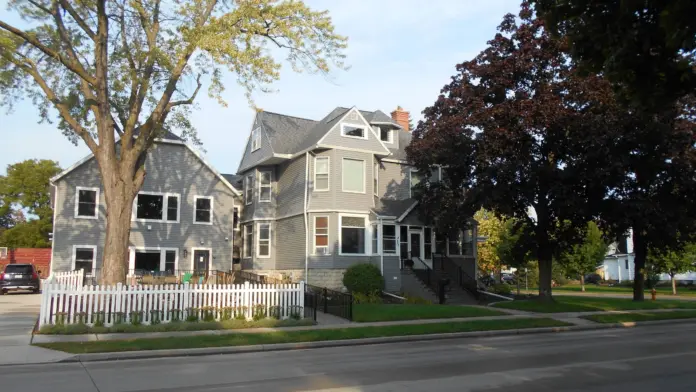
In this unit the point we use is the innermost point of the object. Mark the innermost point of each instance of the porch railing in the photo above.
(460, 277)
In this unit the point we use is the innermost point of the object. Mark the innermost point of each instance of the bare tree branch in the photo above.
(78, 19)
(190, 99)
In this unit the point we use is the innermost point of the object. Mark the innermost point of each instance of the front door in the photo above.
(201, 260)
(415, 243)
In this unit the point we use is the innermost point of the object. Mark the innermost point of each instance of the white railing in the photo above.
(74, 279)
(108, 305)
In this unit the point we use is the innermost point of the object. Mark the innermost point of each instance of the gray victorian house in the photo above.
(310, 198)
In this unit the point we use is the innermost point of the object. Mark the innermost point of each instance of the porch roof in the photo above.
(392, 208)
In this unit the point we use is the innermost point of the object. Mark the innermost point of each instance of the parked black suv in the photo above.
(19, 277)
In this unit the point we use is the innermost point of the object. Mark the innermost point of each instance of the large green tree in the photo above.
(131, 69)
(26, 188)
(647, 48)
(513, 131)
(673, 262)
(585, 257)
(511, 248)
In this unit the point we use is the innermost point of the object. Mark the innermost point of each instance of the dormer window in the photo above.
(385, 134)
(255, 139)
(355, 131)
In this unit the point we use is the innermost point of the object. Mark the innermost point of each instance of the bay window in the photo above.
(321, 173)
(353, 234)
(248, 239)
(264, 239)
(321, 235)
(265, 186)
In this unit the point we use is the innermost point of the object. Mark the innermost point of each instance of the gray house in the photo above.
(183, 218)
(320, 196)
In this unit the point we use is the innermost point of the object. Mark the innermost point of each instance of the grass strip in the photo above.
(563, 304)
(386, 312)
(79, 329)
(298, 336)
(645, 316)
(661, 291)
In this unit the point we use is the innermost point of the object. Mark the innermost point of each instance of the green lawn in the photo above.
(646, 316)
(590, 288)
(299, 336)
(588, 304)
(386, 312)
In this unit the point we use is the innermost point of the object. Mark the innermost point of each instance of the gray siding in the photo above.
(251, 158)
(256, 262)
(248, 209)
(391, 271)
(291, 187)
(394, 181)
(335, 198)
(172, 169)
(265, 209)
(334, 260)
(371, 144)
(290, 236)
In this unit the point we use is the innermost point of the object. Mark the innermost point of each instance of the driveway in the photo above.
(18, 314)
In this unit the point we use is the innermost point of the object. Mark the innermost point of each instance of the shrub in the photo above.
(99, 318)
(296, 312)
(136, 317)
(259, 312)
(372, 298)
(363, 278)
(155, 317)
(240, 313)
(227, 313)
(209, 313)
(417, 301)
(501, 288)
(176, 315)
(192, 315)
(119, 318)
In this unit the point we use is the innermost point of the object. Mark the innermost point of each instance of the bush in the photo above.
(259, 312)
(364, 279)
(501, 288)
(372, 298)
(296, 312)
(274, 312)
(417, 301)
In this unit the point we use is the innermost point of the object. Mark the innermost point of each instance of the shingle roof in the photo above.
(234, 179)
(388, 207)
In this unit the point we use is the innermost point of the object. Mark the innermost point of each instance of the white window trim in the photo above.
(74, 256)
(396, 239)
(163, 256)
(239, 219)
(258, 240)
(364, 128)
(367, 239)
(248, 189)
(3, 252)
(77, 203)
(244, 241)
(270, 186)
(165, 206)
(410, 182)
(343, 177)
(328, 236)
(255, 139)
(210, 257)
(328, 174)
(212, 209)
(378, 131)
(375, 179)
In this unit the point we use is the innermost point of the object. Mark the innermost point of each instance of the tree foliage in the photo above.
(491, 227)
(515, 129)
(673, 261)
(646, 48)
(26, 188)
(585, 257)
(132, 69)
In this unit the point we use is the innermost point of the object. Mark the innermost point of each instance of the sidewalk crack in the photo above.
(90, 376)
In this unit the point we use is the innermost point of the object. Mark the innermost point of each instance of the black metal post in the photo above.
(326, 305)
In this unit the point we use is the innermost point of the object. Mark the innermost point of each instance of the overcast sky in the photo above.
(401, 52)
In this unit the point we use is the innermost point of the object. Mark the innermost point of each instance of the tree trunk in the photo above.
(674, 285)
(582, 283)
(545, 276)
(640, 248)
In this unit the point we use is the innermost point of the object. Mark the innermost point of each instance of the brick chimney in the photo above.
(401, 117)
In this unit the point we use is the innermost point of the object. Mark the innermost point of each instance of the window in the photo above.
(353, 175)
(375, 178)
(375, 240)
(203, 209)
(321, 235)
(353, 235)
(626, 263)
(248, 239)
(389, 239)
(265, 186)
(321, 174)
(235, 218)
(356, 131)
(264, 236)
(385, 134)
(84, 257)
(86, 203)
(170, 261)
(454, 243)
(428, 241)
(403, 242)
(415, 179)
(255, 139)
(3, 252)
(152, 207)
(248, 188)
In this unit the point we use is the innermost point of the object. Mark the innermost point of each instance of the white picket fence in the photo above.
(63, 304)
(74, 279)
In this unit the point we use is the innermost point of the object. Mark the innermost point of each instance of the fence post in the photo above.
(82, 277)
(185, 302)
(326, 302)
(246, 298)
(302, 294)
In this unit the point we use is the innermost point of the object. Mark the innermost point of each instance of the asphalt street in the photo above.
(637, 360)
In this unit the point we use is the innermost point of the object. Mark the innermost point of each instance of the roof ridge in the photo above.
(288, 115)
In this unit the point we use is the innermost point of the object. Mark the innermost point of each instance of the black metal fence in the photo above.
(330, 301)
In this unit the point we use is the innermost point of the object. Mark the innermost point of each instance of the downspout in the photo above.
(304, 214)
(53, 226)
(380, 245)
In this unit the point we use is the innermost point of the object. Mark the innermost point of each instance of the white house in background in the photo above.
(619, 264)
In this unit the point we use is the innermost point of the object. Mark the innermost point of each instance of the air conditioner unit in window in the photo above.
(322, 251)
(3, 253)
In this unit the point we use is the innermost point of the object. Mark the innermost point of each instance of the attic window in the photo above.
(356, 131)
(255, 139)
(385, 134)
